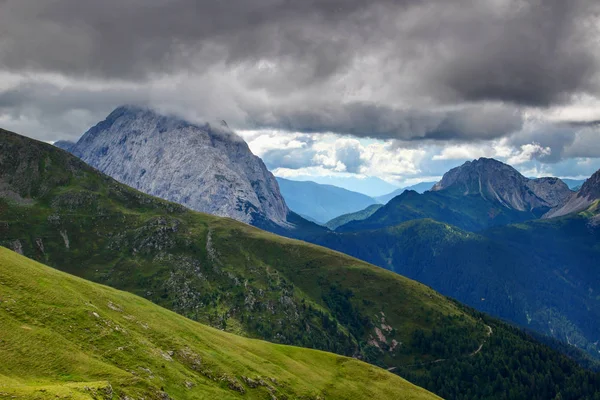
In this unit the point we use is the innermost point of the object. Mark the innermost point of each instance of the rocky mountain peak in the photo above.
(591, 187)
(499, 182)
(581, 200)
(203, 167)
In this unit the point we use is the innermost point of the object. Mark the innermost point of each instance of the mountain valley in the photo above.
(246, 281)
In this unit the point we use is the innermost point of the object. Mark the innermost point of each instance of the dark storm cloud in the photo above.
(483, 121)
(49, 112)
(132, 38)
(535, 53)
(410, 69)
(531, 52)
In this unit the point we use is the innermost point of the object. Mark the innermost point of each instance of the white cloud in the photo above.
(465, 152)
(261, 142)
(527, 153)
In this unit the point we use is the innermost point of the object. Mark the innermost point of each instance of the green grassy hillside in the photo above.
(67, 337)
(56, 209)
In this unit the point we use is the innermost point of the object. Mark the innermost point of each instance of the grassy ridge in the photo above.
(62, 335)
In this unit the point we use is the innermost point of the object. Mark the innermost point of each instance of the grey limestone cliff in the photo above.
(203, 167)
(496, 181)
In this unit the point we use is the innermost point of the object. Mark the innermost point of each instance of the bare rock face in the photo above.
(205, 168)
(581, 200)
(496, 181)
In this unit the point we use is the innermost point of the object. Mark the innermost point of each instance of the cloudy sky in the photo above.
(397, 89)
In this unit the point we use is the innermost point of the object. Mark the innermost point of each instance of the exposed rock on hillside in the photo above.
(581, 200)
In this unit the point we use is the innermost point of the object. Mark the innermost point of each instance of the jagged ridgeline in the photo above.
(57, 210)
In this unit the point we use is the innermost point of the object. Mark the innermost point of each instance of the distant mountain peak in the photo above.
(203, 167)
(499, 182)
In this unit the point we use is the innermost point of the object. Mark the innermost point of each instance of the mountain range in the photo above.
(477, 197)
(573, 184)
(474, 196)
(240, 279)
(368, 185)
(321, 203)
(537, 272)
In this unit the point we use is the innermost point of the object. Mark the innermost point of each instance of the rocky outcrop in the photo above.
(496, 181)
(203, 167)
(581, 200)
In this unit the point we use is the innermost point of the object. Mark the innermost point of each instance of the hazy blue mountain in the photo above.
(370, 185)
(64, 144)
(474, 196)
(419, 188)
(573, 184)
(321, 203)
(355, 216)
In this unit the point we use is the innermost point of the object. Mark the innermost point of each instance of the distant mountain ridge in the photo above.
(371, 186)
(355, 216)
(319, 202)
(474, 196)
(541, 274)
(573, 184)
(64, 144)
(420, 187)
(206, 168)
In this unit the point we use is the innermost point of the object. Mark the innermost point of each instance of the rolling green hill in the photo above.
(57, 210)
(65, 337)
